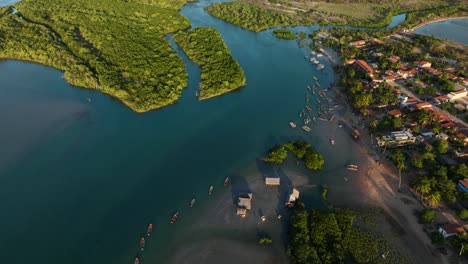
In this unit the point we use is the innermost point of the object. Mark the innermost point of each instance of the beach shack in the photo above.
(270, 181)
(451, 230)
(292, 198)
(463, 185)
(244, 203)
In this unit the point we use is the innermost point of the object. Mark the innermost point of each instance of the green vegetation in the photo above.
(332, 237)
(257, 15)
(301, 149)
(115, 46)
(276, 155)
(463, 214)
(220, 73)
(284, 34)
(312, 159)
(246, 15)
(265, 241)
(437, 238)
(324, 194)
(428, 215)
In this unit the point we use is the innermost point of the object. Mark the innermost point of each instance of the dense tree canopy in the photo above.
(220, 72)
(115, 46)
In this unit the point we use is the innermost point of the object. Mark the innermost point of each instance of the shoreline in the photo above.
(437, 20)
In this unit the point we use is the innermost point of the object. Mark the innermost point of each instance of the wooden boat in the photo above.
(149, 230)
(136, 261)
(352, 167)
(174, 217)
(192, 203)
(210, 190)
(308, 108)
(226, 181)
(292, 124)
(306, 128)
(142, 243)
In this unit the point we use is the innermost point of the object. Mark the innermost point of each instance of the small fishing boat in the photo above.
(88, 99)
(319, 55)
(192, 203)
(196, 94)
(142, 243)
(306, 128)
(149, 230)
(174, 217)
(308, 108)
(210, 190)
(315, 78)
(352, 167)
(226, 181)
(332, 141)
(320, 67)
(292, 124)
(136, 261)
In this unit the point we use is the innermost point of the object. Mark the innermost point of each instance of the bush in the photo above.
(265, 241)
(463, 214)
(428, 215)
(276, 155)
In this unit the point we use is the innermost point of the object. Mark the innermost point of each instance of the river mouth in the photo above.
(87, 191)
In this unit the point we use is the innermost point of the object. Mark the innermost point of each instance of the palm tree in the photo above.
(423, 187)
(434, 198)
(400, 165)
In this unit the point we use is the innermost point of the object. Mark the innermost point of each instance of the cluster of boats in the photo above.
(315, 61)
(173, 219)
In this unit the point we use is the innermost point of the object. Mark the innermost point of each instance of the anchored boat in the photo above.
(174, 217)
(136, 261)
(226, 182)
(352, 167)
(149, 230)
(210, 191)
(192, 203)
(292, 124)
(306, 128)
(142, 243)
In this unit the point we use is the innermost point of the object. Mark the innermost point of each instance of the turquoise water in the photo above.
(79, 181)
(8, 2)
(452, 30)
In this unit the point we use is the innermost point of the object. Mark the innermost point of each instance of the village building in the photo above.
(395, 113)
(406, 101)
(270, 181)
(441, 99)
(357, 43)
(422, 105)
(462, 136)
(378, 41)
(292, 198)
(364, 67)
(244, 203)
(433, 71)
(423, 64)
(463, 185)
(396, 139)
(451, 230)
(453, 96)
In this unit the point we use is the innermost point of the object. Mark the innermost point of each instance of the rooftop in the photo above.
(453, 229)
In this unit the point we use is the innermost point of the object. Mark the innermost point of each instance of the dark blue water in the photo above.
(79, 181)
(452, 30)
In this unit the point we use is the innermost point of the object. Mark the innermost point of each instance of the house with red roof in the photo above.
(364, 66)
(451, 230)
(357, 43)
(423, 64)
(433, 71)
(395, 113)
(463, 185)
(422, 105)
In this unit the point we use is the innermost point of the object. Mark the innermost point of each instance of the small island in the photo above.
(301, 149)
(284, 34)
(220, 73)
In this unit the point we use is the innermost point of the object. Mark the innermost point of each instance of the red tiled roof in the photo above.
(363, 65)
(357, 42)
(395, 113)
(423, 105)
(453, 228)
